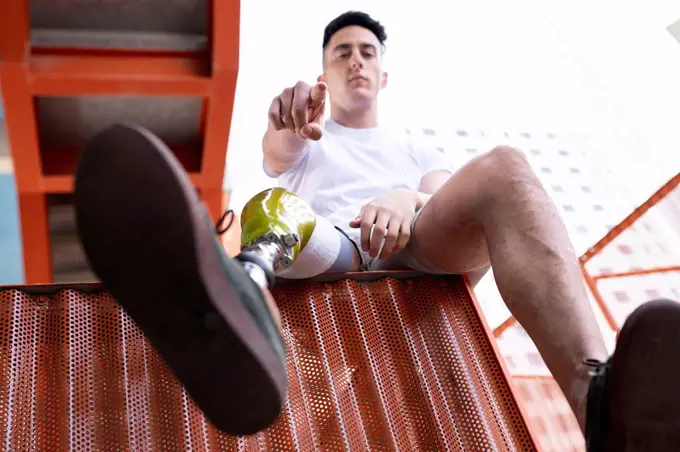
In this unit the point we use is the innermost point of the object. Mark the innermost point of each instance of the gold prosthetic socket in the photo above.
(275, 227)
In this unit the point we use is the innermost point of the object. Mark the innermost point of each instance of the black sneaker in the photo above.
(634, 398)
(151, 242)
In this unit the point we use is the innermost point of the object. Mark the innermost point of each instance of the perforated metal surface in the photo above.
(383, 365)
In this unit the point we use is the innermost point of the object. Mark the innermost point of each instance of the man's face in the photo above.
(353, 67)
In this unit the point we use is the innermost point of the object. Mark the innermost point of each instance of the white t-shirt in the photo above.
(347, 168)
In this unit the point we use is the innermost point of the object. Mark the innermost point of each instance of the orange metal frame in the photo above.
(592, 280)
(27, 72)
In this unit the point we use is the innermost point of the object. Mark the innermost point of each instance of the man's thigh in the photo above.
(412, 258)
(446, 233)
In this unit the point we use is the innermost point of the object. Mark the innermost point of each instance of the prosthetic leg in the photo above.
(276, 226)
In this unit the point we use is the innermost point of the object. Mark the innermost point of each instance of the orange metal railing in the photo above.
(592, 280)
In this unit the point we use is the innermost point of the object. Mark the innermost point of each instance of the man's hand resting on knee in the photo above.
(387, 217)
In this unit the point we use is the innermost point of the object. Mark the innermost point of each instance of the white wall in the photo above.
(603, 68)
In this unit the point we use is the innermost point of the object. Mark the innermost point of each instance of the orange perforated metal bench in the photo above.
(386, 361)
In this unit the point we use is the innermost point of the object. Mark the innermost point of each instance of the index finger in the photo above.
(317, 94)
(299, 108)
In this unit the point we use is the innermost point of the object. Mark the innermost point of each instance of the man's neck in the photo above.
(358, 118)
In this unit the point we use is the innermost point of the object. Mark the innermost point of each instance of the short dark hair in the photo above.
(355, 18)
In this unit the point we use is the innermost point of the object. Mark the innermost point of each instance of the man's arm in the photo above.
(282, 149)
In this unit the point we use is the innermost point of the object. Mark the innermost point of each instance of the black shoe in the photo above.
(634, 398)
(151, 242)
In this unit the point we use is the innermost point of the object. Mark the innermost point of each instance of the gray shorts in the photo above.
(410, 258)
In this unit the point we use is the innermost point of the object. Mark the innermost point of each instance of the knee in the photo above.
(506, 169)
(502, 159)
(506, 174)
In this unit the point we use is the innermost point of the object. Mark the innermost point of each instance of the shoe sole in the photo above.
(148, 238)
(643, 381)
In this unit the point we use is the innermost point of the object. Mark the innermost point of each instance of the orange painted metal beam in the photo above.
(214, 201)
(36, 238)
(62, 161)
(23, 140)
(231, 239)
(59, 165)
(591, 283)
(15, 34)
(19, 111)
(500, 329)
(630, 219)
(225, 26)
(118, 74)
(22, 130)
(648, 271)
(65, 184)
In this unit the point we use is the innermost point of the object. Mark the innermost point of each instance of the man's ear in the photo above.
(321, 78)
(383, 80)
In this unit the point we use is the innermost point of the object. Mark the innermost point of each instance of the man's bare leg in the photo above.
(496, 210)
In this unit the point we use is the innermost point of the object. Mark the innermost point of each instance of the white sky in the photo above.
(608, 67)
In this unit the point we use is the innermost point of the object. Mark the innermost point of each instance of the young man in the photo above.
(366, 199)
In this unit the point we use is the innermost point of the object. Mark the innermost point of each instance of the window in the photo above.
(525, 135)
(471, 151)
(574, 171)
(625, 249)
(429, 132)
(535, 151)
(408, 131)
(525, 394)
(647, 248)
(621, 296)
(563, 152)
(534, 359)
(586, 189)
(568, 208)
(546, 170)
(652, 293)
(597, 208)
(461, 133)
(662, 248)
(510, 361)
(605, 270)
(557, 188)
(539, 424)
(565, 423)
(440, 149)
(649, 227)
(552, 136)
(581, 229)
